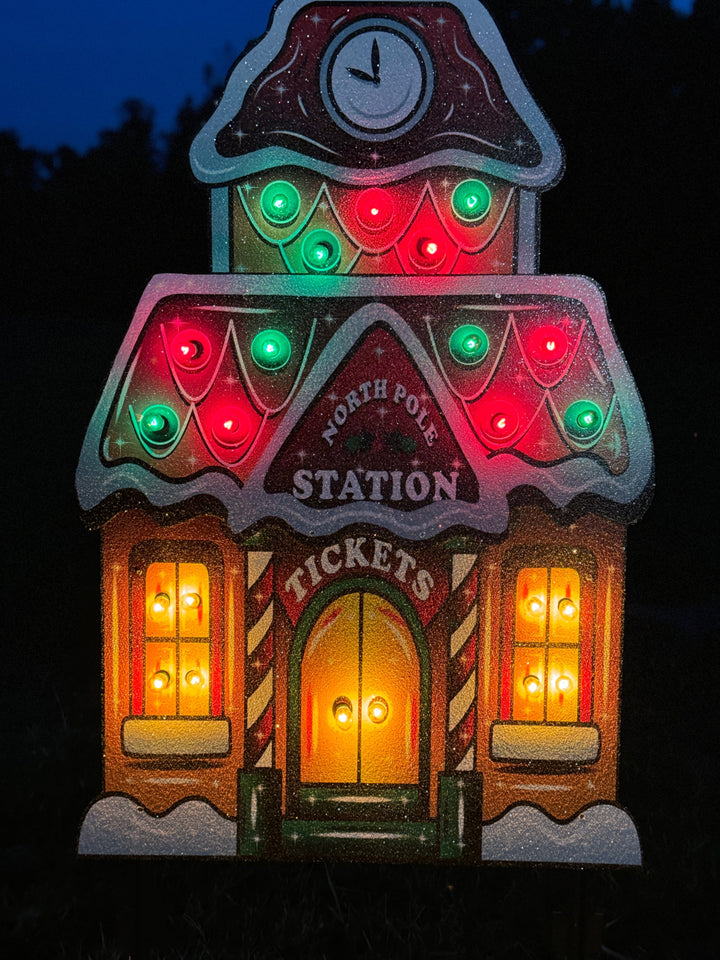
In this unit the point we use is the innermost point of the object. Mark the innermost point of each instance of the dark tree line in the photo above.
(626, 89)
(87, 231)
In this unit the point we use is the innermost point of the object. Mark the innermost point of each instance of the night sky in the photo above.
(65, 68)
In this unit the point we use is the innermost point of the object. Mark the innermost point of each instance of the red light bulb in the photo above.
(231, 426)
(427, 252)
(548, 345)
(190, 350)
(374, 208)
(500, 422)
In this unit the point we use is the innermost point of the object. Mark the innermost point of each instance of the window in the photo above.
(177, 629)
(177, 648)
(548, 626)
(546, 645)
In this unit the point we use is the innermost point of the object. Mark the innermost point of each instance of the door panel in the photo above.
(330, 670)
(360, 687)
(390, 674)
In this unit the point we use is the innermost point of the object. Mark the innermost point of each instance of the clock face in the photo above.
(377, 79)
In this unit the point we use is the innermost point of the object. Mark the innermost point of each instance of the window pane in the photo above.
(159, 679)
(194, 603)
(531, 605)
(564, 605)
(562, 695)
(529, 684)
(160, 600)
(194, 679)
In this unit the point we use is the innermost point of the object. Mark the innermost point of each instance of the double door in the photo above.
(360, 705)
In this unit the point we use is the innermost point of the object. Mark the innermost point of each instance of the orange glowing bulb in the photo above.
(194, 678)
(535, 606)
(161, 603)
(567, 609)
(342, 712)
(378, 709)
(160, 680)
(192, 601)
(532, 684)
(564, 684)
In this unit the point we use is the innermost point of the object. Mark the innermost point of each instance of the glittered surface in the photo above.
(364, 489)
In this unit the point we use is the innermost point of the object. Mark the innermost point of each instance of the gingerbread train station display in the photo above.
(364, 488)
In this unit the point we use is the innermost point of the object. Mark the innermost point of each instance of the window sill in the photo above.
(558, 743)
(197, 737)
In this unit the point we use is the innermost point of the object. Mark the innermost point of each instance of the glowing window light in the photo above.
(535, 606)
(321, 251)
(532, 685)
(583, 420)
(161, 604)
(270, 349)
(548, 345)
(194, 678)
(191, 601)
(159, 425)
(342, 712)
(160, 680)
(374, 208)
(231, 426)
(280, 203)
(471, 201)
(564, 684)
(191, 350)
(469, 344)
(567, 609)
(378, 709)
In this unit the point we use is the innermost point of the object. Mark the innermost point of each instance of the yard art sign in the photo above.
(364, 489)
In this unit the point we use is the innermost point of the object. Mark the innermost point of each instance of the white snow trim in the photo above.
(602, 834)
(118, 826)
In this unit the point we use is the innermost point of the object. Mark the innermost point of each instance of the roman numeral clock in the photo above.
(364, 488)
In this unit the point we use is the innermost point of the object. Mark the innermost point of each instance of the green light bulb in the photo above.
(321, 251)
(280, 203)
(270, 350)
(471, 201)
(583, 420)
(159, 425)
(469, 344)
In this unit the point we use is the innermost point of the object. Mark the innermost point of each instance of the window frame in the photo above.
(175, 552)
(583, 562)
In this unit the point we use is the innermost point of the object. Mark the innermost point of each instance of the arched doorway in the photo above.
(359, 709)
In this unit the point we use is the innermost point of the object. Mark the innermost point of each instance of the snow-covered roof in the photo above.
(371, 92)
(371, 417)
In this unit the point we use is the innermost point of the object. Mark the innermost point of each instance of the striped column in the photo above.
(462, 664)
(259, 661)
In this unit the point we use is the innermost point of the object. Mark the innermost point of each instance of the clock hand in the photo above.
(375, 62)
(360, 75)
